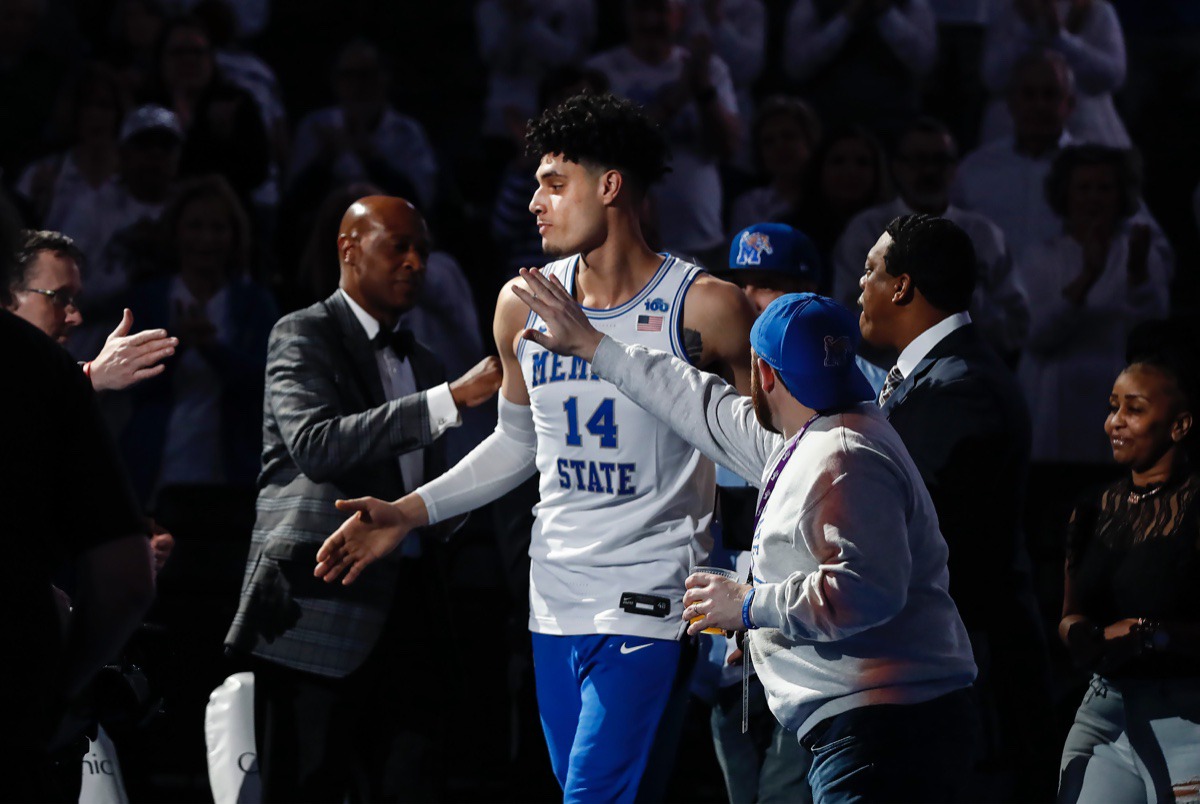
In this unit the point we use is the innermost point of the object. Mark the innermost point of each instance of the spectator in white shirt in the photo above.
(363, 138)
(738, 32)
(861, 61)
(1004, 179)
(923, 165)
(690, 93)
(1088, 35)
(96, 103)
(1088, 286)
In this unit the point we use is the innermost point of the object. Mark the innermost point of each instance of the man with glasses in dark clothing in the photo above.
(67, 502)
(42, 289)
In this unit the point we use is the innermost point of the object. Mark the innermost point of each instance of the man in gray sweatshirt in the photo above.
(851, 627)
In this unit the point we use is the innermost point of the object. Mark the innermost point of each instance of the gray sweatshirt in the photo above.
(849, 565)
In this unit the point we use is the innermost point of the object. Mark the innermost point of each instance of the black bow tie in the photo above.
(401, 341)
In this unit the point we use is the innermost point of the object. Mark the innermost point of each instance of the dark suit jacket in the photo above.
(328, 433)
(967, 427)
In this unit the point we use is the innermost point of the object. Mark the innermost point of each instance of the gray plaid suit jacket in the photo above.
(328, 433)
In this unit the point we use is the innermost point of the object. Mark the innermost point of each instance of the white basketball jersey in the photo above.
(625, 503)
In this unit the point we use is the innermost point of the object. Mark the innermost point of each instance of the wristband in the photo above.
(746, 621)
(87, 369)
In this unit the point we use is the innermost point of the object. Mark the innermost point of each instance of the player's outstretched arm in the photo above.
(701, 407)
(375, 529)
(499, 464)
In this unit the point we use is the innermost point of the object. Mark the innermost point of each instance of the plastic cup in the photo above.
(724, 573)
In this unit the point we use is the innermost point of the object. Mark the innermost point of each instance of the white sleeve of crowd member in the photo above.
(1006, 39)
(809, 45)
(1097, 53)
(741, 41)
(497, 466)
(702, 408)
(911, 34)
(865, 560)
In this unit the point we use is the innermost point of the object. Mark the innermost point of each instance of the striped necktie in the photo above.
(894, 378)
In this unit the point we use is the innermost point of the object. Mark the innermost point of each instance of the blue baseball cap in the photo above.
(811, 341)
(777, 248)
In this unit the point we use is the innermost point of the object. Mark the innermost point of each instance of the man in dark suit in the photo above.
(352, 408)
(963, 419)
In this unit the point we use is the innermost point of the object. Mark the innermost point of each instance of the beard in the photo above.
(758, 400)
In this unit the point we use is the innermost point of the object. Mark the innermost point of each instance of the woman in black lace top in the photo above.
(1131, 611)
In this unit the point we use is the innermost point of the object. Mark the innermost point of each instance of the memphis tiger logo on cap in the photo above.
(752, 246)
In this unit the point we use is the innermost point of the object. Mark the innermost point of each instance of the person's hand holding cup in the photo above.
(713, 601)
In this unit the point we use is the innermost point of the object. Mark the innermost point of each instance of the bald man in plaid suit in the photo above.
(353, 407)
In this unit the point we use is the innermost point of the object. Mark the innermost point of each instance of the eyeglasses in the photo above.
(61, 297)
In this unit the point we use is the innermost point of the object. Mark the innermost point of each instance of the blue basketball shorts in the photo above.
(601, 698)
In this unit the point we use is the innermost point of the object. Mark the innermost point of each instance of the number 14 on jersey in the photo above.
(599, 477)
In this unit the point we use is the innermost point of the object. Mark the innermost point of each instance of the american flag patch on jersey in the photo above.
(649, 323)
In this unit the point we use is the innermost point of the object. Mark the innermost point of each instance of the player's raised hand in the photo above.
(570, 333)
(375, 529)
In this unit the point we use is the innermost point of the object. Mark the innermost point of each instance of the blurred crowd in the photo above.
(200, 155)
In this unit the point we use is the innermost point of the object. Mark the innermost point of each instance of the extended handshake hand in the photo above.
(128, 359)
(376, 529)
(570, 332)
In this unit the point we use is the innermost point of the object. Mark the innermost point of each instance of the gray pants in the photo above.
(1138, 741)
(767, 764)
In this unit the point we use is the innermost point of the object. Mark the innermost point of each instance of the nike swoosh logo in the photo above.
(626, 649)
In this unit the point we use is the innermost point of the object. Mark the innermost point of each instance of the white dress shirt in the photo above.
(398, 381)
(923, 344)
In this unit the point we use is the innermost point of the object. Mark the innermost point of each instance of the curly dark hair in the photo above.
(939, 257)
(604, 131)
(1127, 164)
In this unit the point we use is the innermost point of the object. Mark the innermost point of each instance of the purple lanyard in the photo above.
(767, 491)
(769, 488)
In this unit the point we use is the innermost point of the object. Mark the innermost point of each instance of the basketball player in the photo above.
(625, 504)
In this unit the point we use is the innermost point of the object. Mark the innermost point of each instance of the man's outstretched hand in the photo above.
(128, 359)
(570, 332)
(375, 529)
